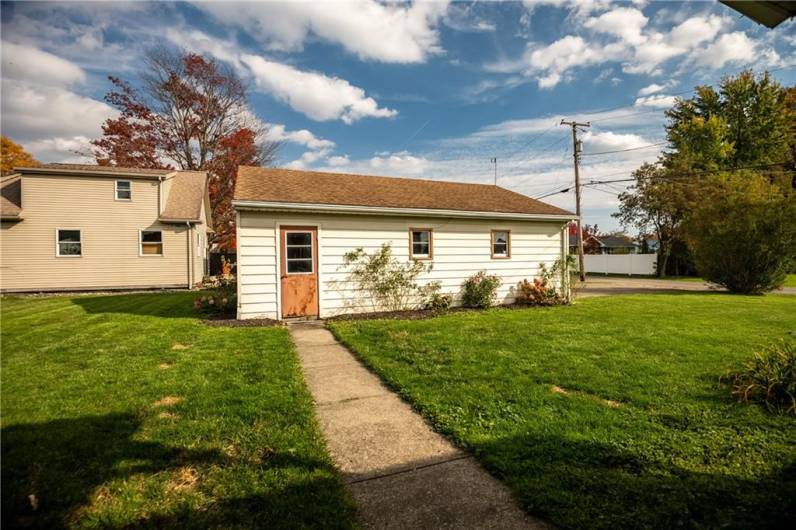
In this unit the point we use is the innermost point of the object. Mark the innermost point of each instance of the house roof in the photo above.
(184, 202)
(11, 196)
(770, 14)
(93, 170)
(286, 186)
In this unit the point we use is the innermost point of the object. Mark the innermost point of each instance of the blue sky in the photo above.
(424, 89)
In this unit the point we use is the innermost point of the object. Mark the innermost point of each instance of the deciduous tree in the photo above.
(14, 155)
(190, 112)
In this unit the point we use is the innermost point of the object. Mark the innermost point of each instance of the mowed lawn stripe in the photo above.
(608, 413)
(127, 411)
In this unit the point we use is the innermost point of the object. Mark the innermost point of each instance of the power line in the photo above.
(625, 150)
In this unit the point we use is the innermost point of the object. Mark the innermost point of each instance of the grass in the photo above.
(126, 412)
(608, 413)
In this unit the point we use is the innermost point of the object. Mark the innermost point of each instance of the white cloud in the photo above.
(69, 149)
(659, 101)
(401, 164)
(277, 132)
(318, 96)
(338, 161)
(31, 111)
(624, 22)
(609, 141)
(396, 33)
(27, 63)
(654, 88)
(733, 47)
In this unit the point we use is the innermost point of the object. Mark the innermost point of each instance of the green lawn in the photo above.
(608, 413)
(126, 411)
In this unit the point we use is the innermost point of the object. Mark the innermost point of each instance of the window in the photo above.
(298, 252)
(124, 190)
(501, 244)
(420, 243)
(151, 243)
(69, 243)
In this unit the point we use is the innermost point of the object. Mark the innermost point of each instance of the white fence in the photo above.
(620, 263)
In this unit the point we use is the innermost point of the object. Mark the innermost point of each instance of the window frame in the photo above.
(116, 190)
(141, 244)
(423, 257)
(507, 255)
(313, 249)
(58, 243)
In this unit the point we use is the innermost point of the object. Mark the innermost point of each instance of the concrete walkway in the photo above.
(399, 471)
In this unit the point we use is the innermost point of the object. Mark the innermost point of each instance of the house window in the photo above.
(151, 243)
(501, 244)
(124, 190)
(298, 252)
(69, 243)
(421, 245)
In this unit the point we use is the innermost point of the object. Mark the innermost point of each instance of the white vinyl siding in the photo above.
(460, 249)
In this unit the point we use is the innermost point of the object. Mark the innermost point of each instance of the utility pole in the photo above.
(576, 145)
(494, 161)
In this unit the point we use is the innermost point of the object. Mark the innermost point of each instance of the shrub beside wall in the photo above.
(479, 290)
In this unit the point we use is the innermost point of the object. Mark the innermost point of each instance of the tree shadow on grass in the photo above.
(589, 484)
(163, 305)
(63, 462)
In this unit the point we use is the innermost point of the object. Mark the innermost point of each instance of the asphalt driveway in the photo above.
(613, 285)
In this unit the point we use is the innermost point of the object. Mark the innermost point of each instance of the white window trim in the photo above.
(492, 239)
(116, 190)
(141, 244)
(311, 245)
(58, 246)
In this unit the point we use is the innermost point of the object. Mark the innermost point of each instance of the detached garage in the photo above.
(294, 227)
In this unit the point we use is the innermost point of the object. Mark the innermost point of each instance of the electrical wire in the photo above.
(624, 150)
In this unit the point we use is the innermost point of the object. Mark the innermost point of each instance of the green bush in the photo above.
(769, 378)
(742, 233)
(479, 289)
(438, 301)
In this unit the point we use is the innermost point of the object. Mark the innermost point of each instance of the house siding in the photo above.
(110, 238)
(461, 248)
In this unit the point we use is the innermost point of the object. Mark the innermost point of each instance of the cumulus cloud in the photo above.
(277, 132)
(622, 35)
(27, 63)
(609, 141)
(31, 111)
(733, 47)
(338, 161)
(320, 97)
(624, 22)
(654, 88)
(658, 101)
(39, 107)
(387, 32)
(400, 164)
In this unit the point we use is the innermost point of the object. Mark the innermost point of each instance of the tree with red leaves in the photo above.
(591, 244)
(191, 112)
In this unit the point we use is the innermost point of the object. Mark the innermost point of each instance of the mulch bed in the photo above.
(420, 314)
(228, 320)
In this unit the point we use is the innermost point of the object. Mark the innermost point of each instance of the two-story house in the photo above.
(87, 227)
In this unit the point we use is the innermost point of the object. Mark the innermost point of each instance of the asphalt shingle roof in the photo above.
(312, 187)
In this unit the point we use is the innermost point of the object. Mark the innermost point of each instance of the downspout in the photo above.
(160, 195)
(190, 242)
(565, 287)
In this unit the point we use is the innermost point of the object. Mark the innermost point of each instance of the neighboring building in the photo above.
(608, 244)
(294, 228)
(86, 227)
